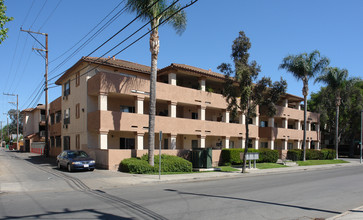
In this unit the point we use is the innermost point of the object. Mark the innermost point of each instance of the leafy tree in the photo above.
(304, 67)
(336, 80)
(3, 20)
(324, 102)
(13, 120)
(157, 12)
(241, 93)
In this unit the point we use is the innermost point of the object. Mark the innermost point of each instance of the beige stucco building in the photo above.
(34, 128)
(105, 107)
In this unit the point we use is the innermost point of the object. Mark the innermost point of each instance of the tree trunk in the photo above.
(304, 136)
(154, 49)
(336, 131)
(246, 143)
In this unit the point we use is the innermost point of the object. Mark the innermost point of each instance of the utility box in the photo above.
(202, 157)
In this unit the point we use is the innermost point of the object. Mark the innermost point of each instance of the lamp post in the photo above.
(17, 117)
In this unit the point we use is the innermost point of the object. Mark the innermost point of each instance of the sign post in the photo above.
(160, 137)
(361, 135)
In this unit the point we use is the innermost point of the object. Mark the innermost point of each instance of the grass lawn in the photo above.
(227, 169)
(319, 162)
(269, 165)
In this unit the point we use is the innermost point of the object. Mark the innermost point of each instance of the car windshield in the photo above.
(77, 154)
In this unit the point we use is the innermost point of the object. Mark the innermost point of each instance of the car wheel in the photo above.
(59, 165)
(91, 169)
(69, 168)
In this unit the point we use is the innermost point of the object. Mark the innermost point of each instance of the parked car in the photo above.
(75, 160)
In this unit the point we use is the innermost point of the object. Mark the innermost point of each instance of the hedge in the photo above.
(232, 156)
(168, 164)
(324, 154)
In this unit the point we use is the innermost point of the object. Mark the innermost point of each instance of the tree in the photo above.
(3, 20)
(336, 80)
(157, 12)
(241, 93)
(304, 67)
(13, 120)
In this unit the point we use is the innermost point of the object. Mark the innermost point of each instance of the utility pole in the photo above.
(45, 49)
(17, 117)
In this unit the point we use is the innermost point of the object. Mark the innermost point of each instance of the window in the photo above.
(58, 141)
(264, 145)
(67, 88)
(66, 142)
(250, 121)
(290, 146)
(78, 142)
(290, 126)
(58, 116)
(231, 144)
(77, 111)
(129, 109)
(77, 79)
(194, 115)
(52, 119)
(194, 143)
(52, 141)
(166, 143)
(263, 124)
(127, 143)
(67, 116)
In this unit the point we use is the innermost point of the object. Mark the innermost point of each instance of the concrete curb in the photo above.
(353, 214)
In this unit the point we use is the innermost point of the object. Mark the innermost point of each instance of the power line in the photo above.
(40, 11)
(27, 14)
(161, 23)
(50, 15)
(90, 38)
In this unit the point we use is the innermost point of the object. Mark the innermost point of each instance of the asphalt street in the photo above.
(31, 189)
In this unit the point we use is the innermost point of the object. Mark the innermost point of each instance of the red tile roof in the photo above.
(203, 72)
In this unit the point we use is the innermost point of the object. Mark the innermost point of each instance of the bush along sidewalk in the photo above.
(324, 154)
(172, 164)
(232, 156)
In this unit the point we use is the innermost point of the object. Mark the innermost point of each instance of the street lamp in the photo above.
(17, 117)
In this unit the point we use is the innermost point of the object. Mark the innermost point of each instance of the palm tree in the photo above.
(156, 12)
(304, 67)
(336, 79)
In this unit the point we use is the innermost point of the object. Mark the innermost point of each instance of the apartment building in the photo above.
(55, 127)
(105, 105)
(34, 128)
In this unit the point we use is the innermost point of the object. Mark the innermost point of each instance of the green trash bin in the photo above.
(202, 157)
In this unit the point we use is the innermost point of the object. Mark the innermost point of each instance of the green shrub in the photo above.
(232, 156)
(135, 165)
(313, 155)
(170, 163)
(268, 156)
(294, 155)
(327, 154)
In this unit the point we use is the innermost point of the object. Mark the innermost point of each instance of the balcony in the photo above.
(283, 133)
(122, 121)
(296, 114)
(114, 83)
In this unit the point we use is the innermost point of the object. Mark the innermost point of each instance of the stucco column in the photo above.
(255, 144)
(308, 144)
(241, 143)
(298, 125)
(102, 102)
(226, 142)
(201, 142)
(102, 140)
(297, 144)
(202, 84)
(317, 145)
(284, 144)
(271, 122)
(286, 103)
(285, 123)
(201, 113)
(172, 79)
(172, 109)
(271, 144)
(255, 120)
(226, 116)
(172, 141)
(139, 103)
(242, 118)
(139, 141)
(317, 127)
(309, 126)
(298, 107)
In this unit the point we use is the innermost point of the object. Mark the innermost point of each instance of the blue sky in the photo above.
(275, 28)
